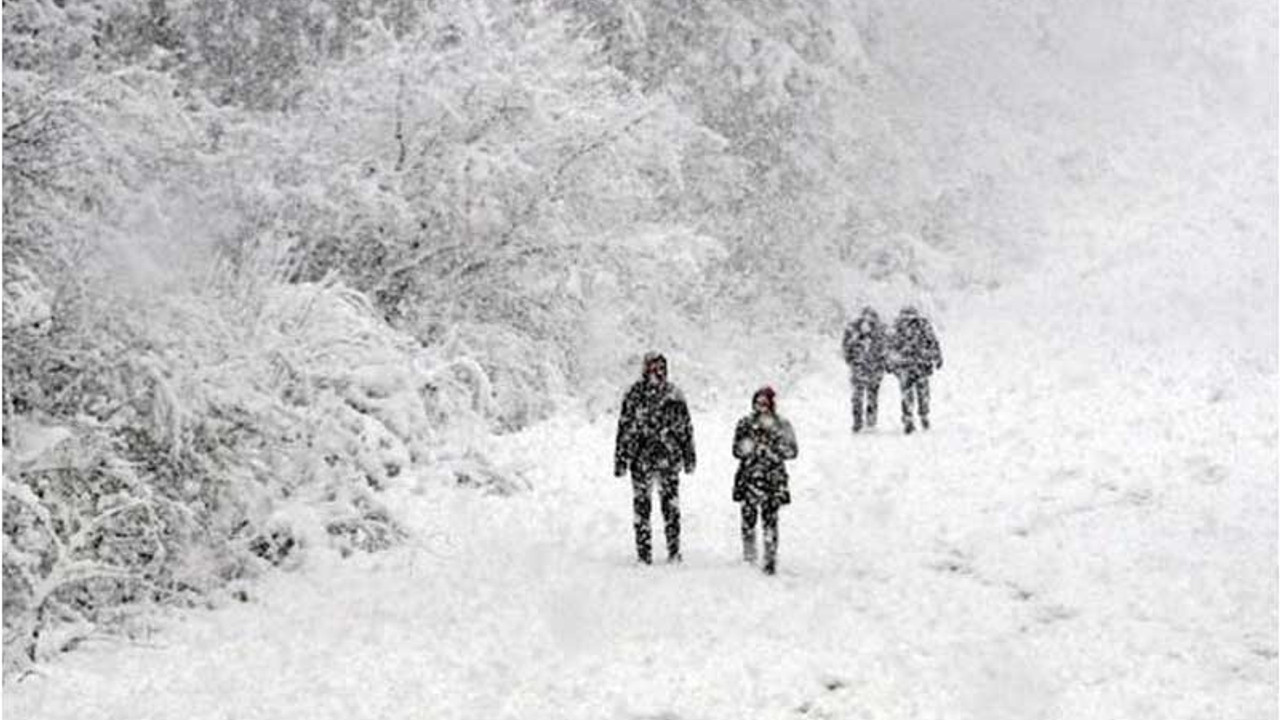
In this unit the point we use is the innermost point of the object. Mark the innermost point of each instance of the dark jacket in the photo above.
(762, 448)
(914, 347)
(866, 347)
(654, 430)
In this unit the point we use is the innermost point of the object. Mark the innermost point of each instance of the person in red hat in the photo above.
(762, 442)
(654, 442)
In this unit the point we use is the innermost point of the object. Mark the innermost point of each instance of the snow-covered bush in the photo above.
(158, 453)
(110, 478)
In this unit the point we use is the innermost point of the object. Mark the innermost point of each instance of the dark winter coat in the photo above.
(913, 347)
(654, 430)
(762, 442)
(866, 348)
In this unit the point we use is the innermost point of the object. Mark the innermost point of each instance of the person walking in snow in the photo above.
(654, 442)
(913, 356)
(864, 350)
(762, 441)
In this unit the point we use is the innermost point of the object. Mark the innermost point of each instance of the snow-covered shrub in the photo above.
(495, 373)
(351, 389)
(156, 451)
(109, 481)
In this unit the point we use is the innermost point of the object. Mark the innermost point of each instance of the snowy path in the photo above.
(1086, 533)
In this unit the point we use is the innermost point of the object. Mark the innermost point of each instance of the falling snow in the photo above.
(319, 316)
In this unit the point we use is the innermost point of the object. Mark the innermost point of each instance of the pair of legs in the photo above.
(668, 482)
(767, 511)
(866, 400)
(915, 396)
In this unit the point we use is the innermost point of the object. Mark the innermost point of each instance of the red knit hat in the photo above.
(654, 361)
(769, 394)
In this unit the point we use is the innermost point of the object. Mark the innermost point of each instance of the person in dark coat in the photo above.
(654, 442)
(865, 352)
(761, 442)
(914, 355)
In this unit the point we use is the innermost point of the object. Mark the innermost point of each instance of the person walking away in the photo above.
(762, 441)
(654, 442)
(865, 350)
(914, 355)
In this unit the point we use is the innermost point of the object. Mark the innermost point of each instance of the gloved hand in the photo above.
(619, 468)
(938, 365)
(689, 467)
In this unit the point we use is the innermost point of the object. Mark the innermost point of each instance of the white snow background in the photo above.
(1089, 531)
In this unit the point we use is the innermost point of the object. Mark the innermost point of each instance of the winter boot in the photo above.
(908, 428)
(924, 423)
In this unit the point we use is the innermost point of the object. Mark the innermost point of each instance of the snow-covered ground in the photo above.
(1089, 531)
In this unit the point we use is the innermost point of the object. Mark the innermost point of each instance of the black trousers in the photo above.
(915, 395)
(866, 400)
(668, 482)
(767, 511)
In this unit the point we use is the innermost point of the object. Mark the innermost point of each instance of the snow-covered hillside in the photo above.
(276, 275)
(1088, 531)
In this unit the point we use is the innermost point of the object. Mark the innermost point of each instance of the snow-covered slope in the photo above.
(1089, 531)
